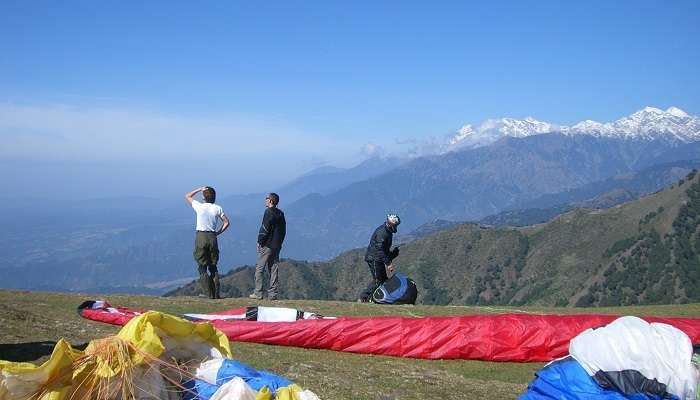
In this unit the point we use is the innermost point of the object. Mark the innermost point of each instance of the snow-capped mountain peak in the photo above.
(520, 128)
(649, 110)
(649, 123)
(491, 130)
(653, 123)
(587, 126)
(677, 112)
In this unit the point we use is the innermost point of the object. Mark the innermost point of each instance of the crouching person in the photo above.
(379, 256)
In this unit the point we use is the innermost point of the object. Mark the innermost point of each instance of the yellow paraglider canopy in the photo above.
(138, 362)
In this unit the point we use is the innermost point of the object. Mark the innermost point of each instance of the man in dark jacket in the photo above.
(379, 256)
(270, 238)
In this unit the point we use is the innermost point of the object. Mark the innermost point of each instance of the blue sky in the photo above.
(160, 96)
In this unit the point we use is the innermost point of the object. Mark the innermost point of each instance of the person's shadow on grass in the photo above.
(30, 351)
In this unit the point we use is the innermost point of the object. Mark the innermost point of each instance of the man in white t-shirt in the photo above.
(206, 246)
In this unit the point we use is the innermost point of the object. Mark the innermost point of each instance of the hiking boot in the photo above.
(255, 296)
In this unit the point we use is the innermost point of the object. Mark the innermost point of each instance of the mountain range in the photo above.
(468, 185)
(650, 123)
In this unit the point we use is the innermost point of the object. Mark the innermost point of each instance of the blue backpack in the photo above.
(399, 289)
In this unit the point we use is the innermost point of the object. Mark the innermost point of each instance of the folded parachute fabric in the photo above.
(566, 379)
(492, 337)
(237, 389)
(214, 378)
(100, 310)
(219, 371)
(257, 313)
(24, 380)
(633, 355)
(148, 359)
(93, 309)
(627, 359)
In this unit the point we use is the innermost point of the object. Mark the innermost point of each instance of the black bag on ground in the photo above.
(399, 289)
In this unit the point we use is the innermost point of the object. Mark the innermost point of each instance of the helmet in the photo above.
(393, 219)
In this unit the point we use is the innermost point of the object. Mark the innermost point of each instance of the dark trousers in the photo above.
(206, 254)
(209, 281)
(378, 271)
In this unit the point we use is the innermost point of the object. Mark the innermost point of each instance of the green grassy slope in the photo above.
(31, 323)
(568, 255)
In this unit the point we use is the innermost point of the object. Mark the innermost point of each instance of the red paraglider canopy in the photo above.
(492, 337)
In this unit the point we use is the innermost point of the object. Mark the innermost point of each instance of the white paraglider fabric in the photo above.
(235, 389)
(658, 351)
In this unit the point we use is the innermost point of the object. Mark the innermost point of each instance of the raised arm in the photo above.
(188, 195)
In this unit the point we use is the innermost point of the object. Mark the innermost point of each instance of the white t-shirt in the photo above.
(207, 215)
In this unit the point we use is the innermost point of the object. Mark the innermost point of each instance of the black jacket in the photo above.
(273, 228)
(380, 245)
